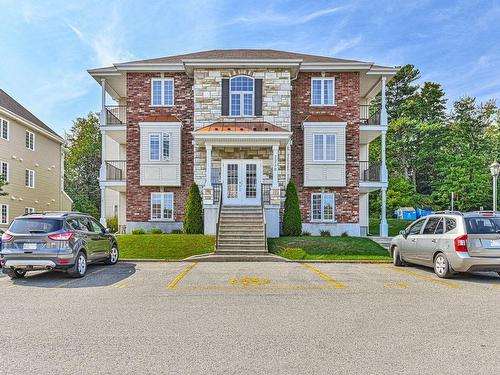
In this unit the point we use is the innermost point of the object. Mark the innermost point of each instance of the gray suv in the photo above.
(65, 241)
(451, 242)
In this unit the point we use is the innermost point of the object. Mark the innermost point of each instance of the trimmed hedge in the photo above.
(193, 216)
(292, 221)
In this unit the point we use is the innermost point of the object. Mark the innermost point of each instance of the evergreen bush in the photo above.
(292, 221)
(193, 216)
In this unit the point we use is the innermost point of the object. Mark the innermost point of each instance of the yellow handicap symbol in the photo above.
(249, 281)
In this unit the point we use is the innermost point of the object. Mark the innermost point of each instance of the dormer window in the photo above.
(241, 96)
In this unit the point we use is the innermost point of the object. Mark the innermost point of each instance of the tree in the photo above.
(193, 216)
(470, 144)
(82, 164)
(292, 221)
(2, 185)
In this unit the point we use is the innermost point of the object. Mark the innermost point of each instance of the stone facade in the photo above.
(347, 107)
(138, 108)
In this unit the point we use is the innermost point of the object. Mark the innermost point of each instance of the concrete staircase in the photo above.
(382, 241)
(241, 231)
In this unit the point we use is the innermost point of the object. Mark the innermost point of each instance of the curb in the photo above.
(352, 261)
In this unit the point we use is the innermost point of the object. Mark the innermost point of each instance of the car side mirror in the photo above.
(404, 233)
(107, 230)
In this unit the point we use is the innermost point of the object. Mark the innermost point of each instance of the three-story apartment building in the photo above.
(242, 123)
(31, 161)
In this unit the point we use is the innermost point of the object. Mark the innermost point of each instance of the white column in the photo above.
(208, 180)
(102, 121)
(384, 228)
(495, 178)
(275, 165)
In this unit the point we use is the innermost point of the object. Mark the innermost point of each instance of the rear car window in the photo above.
(450, 224)
(35, 225)
(482, 225)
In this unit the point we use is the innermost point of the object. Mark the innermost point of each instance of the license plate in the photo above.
(29, 246)
(495, 243)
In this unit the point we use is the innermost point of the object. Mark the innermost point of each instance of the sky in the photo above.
(46, 47)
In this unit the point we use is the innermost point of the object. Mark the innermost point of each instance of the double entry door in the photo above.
(241, 180)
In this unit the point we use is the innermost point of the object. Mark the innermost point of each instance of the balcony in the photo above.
(370, 176)
(116, 115)
(370, 121)
(115, 174)
(367, 116)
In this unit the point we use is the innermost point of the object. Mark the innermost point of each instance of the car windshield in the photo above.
(482, 225)
(35, 225)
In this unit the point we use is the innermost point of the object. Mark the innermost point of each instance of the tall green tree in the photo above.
(292, 221)
(470, 144)
(193, 217)
(82, 164)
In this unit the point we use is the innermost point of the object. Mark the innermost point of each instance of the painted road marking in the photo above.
(181, 276)
(249, 281)
(66, 283)
(326, 277)
(420, 276)
(121, 286)
(396, 285)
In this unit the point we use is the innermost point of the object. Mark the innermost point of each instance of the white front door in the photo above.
(241, 182)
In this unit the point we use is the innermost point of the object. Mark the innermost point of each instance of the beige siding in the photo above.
(161, 173)
(45, 160)
(324, 173)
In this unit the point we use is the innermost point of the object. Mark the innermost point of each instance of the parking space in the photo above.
(287, 318)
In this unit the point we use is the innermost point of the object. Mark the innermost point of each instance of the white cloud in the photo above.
(345, 44)
(284, 19)
(106, 43)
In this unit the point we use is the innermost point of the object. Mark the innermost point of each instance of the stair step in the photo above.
(238, 252)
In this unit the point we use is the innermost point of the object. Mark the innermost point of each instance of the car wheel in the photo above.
(396, 257)
(79, 269)
(16, 274)
(498, 273)
(441, 266)
(113, 256)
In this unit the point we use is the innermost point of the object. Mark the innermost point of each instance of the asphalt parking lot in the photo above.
(287, 318)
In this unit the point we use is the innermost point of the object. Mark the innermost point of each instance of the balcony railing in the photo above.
(266, 193)
(367, 116)
(370, 171)
(116, 170)
(116, 115)
(217, 192)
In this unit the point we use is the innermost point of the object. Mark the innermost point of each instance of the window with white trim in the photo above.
(30, 140)
(4, 171)
(4, 129)
(324, 147)
(323, 207)
(241, 94)
(162, 91)
(4, 214)
(162, 206)
(29, 210)
(323, 91)
(159, 146)
(29, 178)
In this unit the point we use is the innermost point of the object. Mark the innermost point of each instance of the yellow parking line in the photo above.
(121, 286)
(396, 285)
(66, 283)
(326, 277)
(181, 275)
(414, 274)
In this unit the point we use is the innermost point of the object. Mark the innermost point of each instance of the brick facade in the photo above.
(346, 107)
(138, 108)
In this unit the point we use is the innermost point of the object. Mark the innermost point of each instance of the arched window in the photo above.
(241, 96)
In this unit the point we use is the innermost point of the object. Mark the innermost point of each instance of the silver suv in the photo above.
(64, 241)
(451, 242)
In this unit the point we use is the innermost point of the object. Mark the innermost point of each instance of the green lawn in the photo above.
(164, 246)
(395, 226)
(327, 248)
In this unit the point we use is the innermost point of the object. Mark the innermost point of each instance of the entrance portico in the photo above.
(246, 164)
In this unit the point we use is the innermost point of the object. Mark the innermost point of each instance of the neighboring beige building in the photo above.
(32, 162)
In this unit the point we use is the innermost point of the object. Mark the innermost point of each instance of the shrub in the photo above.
(292, 222)
(306, 234)
(193, 216)
(176, 231)
(156, 231)
(138, 231)
(325, 233)
(112, 224)
(344, 234)
(293, 253)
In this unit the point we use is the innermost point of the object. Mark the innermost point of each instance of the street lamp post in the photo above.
(495, 171)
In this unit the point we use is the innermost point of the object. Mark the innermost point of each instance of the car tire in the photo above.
(498, 273)
(442, 266)
(16, 274)
(113, 256)
(396, 257)
(79, 269)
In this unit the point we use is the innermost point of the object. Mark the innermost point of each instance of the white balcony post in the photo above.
(383, 102)
(208, 181)
(384, 227)
(102, 178)
(275, 165)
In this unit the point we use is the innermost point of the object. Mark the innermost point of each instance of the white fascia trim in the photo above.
(244, 135)
(324, 124)
(32, 125)
(144, 67)
(312, 66)
(155, 123)
(386, 71)
(67, 196)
